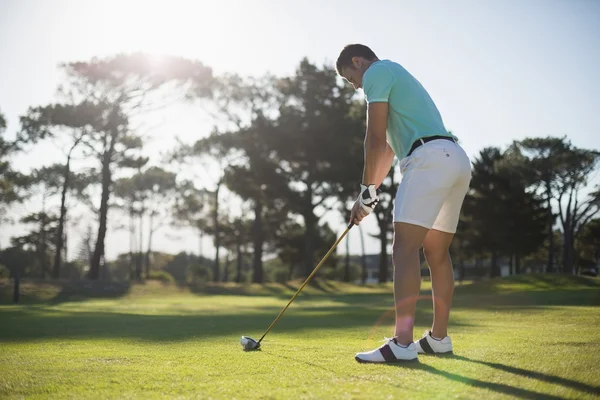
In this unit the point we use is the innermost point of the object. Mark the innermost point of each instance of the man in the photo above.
(403, 122)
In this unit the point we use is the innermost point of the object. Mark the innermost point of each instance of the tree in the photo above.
(17, 259)
(12, 183)
(589, 242)
(575, 213)
(73, 122)
(39, 240)
(290, 246)
(159, 188)
(384, 215)
(485, 222)
(127, 85)
(563, 169)
(310, 139)
(500, 216)
(192, 209)
(149, 195)
(205, 201)
(523, 210)
(241, 150)
(235, 236)
(45, 181)
(544, 160)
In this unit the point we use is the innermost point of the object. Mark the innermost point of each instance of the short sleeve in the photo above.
(377, 84)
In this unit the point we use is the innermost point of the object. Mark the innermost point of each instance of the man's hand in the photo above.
(364, 205)
(357, 213)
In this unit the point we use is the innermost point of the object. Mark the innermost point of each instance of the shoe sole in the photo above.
(360, 360)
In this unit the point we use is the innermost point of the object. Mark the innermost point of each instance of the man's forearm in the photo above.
(378, 159)
(386, 165)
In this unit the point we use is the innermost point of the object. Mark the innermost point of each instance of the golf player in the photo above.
(404, 122)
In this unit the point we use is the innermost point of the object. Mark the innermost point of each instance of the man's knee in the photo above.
(408, 238)
(405, 245)
(435, 256)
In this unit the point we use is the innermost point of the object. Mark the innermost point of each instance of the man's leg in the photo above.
(408, 239)
(436, 249)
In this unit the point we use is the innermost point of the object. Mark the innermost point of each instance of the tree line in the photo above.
(288, 150)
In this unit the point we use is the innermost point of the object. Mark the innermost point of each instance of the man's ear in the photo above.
(356, 62)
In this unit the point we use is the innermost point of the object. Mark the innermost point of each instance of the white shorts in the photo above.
(435, 180)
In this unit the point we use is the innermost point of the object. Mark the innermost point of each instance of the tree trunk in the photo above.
(149, 249)
(309, 230)
(17, 283)
(226, 268)
(347, 261)
(460, 260)
(257, 241)
(42, 245)
(65, 255)
(363, 256)
(139, 262)
(517, 263)
(511, 264)
(94, 273)
(383, 256)
(495, 271)
(238, 245)
(60, 242)
(550, 265)
(568, 251)
(291, 271)
(309, 240)
(61, 220)
(217, 233)
(131, 242)
(201, 237)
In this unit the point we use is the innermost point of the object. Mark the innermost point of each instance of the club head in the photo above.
(249, 344)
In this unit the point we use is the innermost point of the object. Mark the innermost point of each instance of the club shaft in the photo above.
(307, 280)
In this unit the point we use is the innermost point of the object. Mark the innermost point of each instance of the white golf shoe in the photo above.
(389, 352)
(428, 345)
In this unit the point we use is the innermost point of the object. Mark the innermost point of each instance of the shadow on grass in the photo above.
(52, 292)
(583, 387)
(376, 381)
(477, 383)
(92, 290)
(267, 290)
(520, 300)
(27, 323)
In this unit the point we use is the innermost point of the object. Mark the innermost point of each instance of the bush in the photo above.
(162, 276)
(4, 272)
(73, 270)
(279, 275)
(337, 274)
(199, 274)
(275, 271)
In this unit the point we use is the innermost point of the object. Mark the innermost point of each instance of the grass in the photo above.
(527, 337)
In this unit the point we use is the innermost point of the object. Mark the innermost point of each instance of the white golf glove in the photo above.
(368, 198)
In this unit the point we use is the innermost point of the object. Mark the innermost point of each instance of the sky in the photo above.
(497, 70)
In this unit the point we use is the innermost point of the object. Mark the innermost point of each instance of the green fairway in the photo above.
(525, 337)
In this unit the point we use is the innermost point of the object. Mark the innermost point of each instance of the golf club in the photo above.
(250, 344)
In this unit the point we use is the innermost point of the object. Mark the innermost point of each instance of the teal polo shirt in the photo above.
(412, 113)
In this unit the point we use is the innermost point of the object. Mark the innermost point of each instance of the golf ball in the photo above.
(244, 342)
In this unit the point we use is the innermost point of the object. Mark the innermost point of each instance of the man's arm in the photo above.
(378, 154)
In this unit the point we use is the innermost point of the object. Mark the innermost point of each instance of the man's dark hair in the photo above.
(353, 50)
